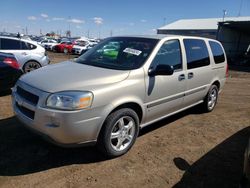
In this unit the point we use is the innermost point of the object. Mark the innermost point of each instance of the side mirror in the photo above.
(161, 70)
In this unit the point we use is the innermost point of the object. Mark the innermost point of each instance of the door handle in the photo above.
(190, 75)
(181, 77)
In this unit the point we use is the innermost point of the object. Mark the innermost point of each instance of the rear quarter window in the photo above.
(196, 52)
(218, 53)
(31, 46)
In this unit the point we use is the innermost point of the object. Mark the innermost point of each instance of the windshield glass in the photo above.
(122, 53)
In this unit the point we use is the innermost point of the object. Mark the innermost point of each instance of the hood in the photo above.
(72, 76)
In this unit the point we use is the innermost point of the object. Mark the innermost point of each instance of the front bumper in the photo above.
(76, 51)
(61, 127)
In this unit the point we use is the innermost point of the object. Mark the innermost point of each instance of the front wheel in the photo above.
(211, 98)
(119, 133)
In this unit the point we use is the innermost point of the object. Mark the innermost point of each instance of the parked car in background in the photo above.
(121, 85)
(47, 42)
(9, 71)
(81, 47)
(63, 47)
(29, 54)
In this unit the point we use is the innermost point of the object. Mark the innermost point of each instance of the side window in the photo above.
(31, 46)
(169, 54)
(197, 53)
(24, 46)
(219, 56)
(10, 44)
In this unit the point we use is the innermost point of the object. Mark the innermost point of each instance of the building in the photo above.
(232, 32)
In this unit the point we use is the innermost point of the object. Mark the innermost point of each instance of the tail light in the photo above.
(11, 62)
(227, 74)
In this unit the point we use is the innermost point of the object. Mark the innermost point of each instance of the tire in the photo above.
(65, 50)
(30, 66)
(118, 133)
(211, 98)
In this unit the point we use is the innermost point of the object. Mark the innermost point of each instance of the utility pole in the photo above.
(224, 14)
(164, 21)
(88, 33)
(241, 2)
(26, 29)
(69, 26)
(111, 33)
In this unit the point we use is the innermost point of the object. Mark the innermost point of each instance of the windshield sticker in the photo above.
(132, 51)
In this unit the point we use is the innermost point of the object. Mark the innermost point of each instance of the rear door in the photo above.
(17, 47)
(199, 73)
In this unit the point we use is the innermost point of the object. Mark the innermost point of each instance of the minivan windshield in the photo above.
(121, 53)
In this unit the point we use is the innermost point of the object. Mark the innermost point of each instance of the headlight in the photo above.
(70, 100)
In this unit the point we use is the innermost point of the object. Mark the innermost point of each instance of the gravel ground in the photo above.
(191, 149)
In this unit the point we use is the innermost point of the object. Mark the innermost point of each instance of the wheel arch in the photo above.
(132, 105)
(30, 60)
(217, 83)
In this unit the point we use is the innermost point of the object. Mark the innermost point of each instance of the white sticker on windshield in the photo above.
(132, 51)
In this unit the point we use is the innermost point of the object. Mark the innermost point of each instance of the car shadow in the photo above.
(220, 167)
(168, 120)
(23, 152)
(5, 93)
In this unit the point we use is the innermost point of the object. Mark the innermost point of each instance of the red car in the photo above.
(65, 47)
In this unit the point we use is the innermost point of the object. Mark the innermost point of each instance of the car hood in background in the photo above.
(72, 76)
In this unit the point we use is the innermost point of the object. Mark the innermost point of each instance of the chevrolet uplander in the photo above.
(121, 85)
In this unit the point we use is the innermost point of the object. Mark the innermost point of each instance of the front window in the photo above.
(169, 54)
(122, 53)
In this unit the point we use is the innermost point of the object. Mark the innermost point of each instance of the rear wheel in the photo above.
(211, 99)
(30, 66)
(119, 132)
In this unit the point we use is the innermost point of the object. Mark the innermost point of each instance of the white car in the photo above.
(80, 49)
(43, 42)
(29, 54)
(47, 44)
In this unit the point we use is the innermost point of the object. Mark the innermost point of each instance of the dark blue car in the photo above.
(9, 71)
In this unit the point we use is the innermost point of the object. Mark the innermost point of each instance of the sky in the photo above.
(104, 18)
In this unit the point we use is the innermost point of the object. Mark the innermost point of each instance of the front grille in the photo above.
(29, 113)
(27, 95)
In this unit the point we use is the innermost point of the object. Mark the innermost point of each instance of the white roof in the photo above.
(200, 24)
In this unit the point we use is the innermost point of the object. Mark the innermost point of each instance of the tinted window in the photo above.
(217, 51)
(197, 53)
(10, 44)
(24, 46)
(31, 46)
(169, 54)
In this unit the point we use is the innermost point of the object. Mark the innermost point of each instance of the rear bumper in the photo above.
(8, 80)
(45, 60)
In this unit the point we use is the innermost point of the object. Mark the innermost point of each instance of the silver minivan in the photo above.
(121, 85)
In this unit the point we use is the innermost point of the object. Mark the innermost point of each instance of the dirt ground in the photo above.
(191, 149)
